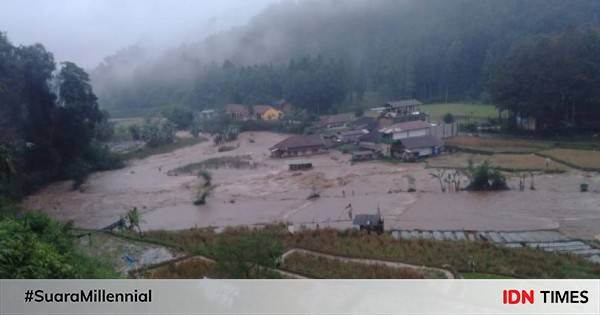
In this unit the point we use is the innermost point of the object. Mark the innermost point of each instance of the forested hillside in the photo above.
(319, 54)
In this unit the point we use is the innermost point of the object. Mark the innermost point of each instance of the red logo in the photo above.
(517, 297)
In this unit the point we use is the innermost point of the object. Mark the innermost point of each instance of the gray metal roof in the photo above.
(427, 141)
(401, 103)
(366, 219)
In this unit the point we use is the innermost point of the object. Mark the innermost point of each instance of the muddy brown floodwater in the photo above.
(270, 193)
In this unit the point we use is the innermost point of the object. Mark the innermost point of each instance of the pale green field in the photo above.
(461, 111)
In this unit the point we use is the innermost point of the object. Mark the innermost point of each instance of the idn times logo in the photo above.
(514, 296)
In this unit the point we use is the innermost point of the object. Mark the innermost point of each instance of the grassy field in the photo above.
(496, 145)
(582, 159)
(463, 257)
(503, 153)
(506, 162)
(461, 111)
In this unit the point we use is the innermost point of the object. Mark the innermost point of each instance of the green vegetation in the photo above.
(369, 54)
(503, 162)
(34, 247)
(235, 162)
(321, 267)
(484, 177)
(157, 132)
(552, 79)
(51, 127)
(204, 188)
(463, 257)
(248, 256)
(460, 111)
(187, 269)
(180, 117)
(476, 275)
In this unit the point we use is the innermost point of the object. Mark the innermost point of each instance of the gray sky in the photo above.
(85, 31)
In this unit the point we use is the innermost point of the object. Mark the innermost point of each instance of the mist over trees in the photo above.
(364, 51)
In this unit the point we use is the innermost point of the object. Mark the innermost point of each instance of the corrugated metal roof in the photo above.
(401, 103)
(421, 142)
(407, 125)
(299, 141)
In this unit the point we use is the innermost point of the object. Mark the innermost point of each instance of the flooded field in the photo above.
(262, 190)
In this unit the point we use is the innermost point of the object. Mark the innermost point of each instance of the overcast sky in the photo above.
(85, 31)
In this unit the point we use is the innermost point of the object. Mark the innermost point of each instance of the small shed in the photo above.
(300, 165)
(368, 222)
(364, 155)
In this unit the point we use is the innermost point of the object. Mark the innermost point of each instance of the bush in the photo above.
(181, 117)
(468, 127)
(135, 132)
(248, 256)
(485, 178)
(34, 246)
(156, 133)
(448, 118)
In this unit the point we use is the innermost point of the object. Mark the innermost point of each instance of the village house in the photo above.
(396, 111)
(284, 106)
(368, 123)
(407, 129)
(237, 112)
(350, 136)
(411, 140)
(266, 112)
(299, 145)
(419, 147)
(336, 121)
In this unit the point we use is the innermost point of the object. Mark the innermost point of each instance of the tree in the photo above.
(157, 132)
(448, 118)
(78, 113)
(552, 78)
(248, 256)
(484, 177)
(181, 117)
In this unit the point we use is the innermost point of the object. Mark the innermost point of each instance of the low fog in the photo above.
(86, 31)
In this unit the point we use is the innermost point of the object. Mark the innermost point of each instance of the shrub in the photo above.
(34, 246)
(156, 133)
(485, 178)
(448, 118)
(247, 256)
(468, 127)
(135, 132)
(181, 117)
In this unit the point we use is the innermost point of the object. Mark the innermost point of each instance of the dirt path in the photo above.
(446, 273)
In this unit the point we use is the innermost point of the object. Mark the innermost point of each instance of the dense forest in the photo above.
(324, 54)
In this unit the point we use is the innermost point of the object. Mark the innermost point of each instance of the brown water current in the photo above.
(271, 193)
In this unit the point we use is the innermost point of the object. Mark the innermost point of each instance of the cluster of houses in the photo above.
(240, 112)
(396, 130)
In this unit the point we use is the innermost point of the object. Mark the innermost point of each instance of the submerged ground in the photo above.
(265, 191)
